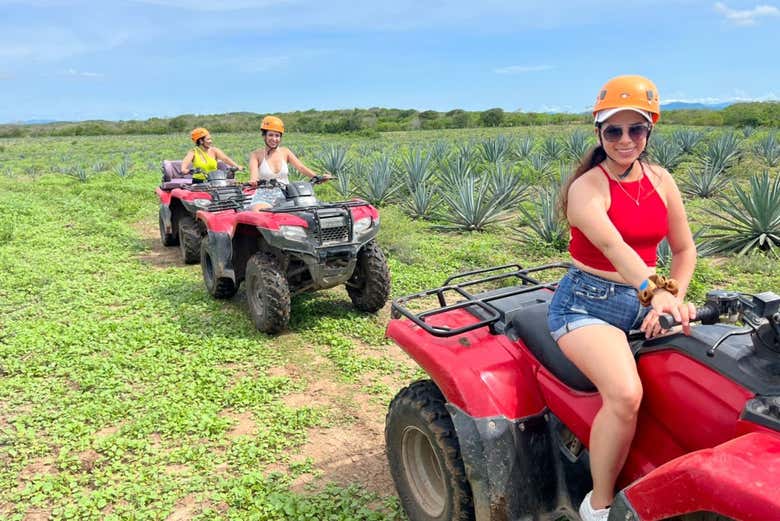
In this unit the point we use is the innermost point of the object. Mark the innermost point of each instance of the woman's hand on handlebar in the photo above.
(665, 302)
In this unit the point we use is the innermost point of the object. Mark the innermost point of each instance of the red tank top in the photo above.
(638, 213)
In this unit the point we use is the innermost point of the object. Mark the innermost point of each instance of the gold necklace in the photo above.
(639, 187)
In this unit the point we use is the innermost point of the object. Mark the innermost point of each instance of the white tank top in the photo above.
(281, 176)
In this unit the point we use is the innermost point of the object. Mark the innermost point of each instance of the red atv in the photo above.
(500, 430)
(181, 199)
(299, 245)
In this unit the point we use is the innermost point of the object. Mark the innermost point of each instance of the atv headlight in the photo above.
(201, 203)
(293, 233)
(362, 225)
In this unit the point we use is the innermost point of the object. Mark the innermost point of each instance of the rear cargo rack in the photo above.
(480, 304)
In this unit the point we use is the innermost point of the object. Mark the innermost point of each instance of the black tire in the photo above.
(218, 287)
(267, 293)
(369, 285)
(189, 239)
(424, 456)
(167, 239)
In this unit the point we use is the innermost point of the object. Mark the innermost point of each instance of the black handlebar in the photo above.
(709, 313)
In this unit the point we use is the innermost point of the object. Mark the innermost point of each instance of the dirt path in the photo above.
(351, 449)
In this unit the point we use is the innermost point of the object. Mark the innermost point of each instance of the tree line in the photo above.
(373, 120)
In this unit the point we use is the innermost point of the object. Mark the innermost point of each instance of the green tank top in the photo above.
(203, 161)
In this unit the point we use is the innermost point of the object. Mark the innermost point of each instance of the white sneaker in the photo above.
(588, 513)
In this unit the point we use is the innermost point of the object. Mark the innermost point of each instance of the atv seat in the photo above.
(546, 350)
(172, 170)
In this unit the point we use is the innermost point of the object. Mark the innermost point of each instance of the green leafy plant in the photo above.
(704, 181)
(495, 150)
(377, 185)
(687, 139)
(750, 222)
(552, 149)
(666, 153)
(471, 205)
(577, 144)
(545, 224)
(524, 146)
(333, 159)
(768, 150)
(415, 167)
(722, 153)
(422, 201)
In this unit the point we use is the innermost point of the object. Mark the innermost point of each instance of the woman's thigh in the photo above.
(602, 353)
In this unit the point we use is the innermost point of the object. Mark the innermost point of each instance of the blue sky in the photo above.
(135, 59)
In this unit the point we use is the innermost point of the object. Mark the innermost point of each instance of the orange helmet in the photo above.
(198, 133)
(272, 123)
(628, 92)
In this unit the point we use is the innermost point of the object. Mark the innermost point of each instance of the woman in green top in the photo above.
(205, 155)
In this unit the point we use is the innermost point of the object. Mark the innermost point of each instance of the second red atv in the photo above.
(181, 199)
(301, 244)
(500, 429)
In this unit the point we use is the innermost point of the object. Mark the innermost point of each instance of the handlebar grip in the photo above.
(707, 314)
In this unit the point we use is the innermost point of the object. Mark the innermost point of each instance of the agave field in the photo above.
(127, 392)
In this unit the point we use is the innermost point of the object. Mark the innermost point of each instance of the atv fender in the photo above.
(219, 222)
(167, 218)
(270, 220)
(359, 212)
(189, 195)
(220, 247)
(738, 479)
(164, 195)
(484, 375)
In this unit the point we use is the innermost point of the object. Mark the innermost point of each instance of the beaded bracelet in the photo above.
(654, 282)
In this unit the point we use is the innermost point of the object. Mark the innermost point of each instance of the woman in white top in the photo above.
(270, 163)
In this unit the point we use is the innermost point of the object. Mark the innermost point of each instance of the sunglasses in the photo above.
(636, 132)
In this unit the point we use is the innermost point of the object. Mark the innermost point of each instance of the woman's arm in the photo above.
(292, 158)
(219, 154)
(254, 167)
(186, 163)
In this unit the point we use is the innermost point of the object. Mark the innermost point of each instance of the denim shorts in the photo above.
(267, 195)
(582, 299)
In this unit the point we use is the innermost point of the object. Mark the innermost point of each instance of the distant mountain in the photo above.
(682, 105)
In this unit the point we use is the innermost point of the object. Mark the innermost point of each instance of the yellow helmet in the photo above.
(272, 123)
(628, 92)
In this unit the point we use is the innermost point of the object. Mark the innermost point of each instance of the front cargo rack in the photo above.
(480, 304)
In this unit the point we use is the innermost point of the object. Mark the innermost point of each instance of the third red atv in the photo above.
(500, 429)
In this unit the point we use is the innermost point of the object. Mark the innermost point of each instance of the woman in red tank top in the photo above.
(619, 208)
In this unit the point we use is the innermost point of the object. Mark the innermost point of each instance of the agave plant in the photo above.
(748, 130)
(439, 151)
(552, 149)
(504, 182)
(768, 149)
(495, 150)
(79, 172)
(524, 146)
(455, 170)
(577, 144)
(99, 166)
(415, 167)
(687, 139)
(344, 184)
(472, 206)
(378, 185)
(751, 222)
(545, 224)
(333, 159)
(422, 201)
(666, 153)
(539, 165)
(722, 153)
(123, 168)
(705, 181)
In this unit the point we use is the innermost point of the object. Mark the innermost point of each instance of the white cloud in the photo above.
(82, 74)
(522, 69)
(54, 43)
(746, 16)
(741, 96)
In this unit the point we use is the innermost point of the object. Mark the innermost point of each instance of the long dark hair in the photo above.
(592, 157)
